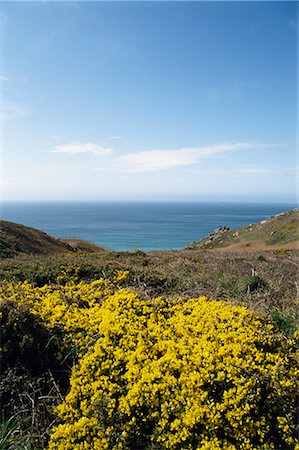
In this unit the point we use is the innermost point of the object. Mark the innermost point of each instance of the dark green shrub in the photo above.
(33, 377)
(227, 289)
(251, 283)
(26, 342)
(284, 321)
(261, 258)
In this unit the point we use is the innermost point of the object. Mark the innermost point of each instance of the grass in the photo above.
(265, 281)
(277, 230)
(260, 280)
(15, 239)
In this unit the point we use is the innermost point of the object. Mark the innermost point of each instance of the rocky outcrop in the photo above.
(217, 233)
(223, 229)
(278, 230)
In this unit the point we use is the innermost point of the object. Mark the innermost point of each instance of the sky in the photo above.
(188, 101)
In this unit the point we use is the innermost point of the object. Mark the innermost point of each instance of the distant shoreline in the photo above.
(129, 226)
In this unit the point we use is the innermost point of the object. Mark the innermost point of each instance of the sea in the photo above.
(137, 225)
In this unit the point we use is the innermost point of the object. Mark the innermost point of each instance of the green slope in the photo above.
(16, 238)
(280, 229)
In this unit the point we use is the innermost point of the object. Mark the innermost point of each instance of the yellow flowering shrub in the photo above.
(73, 306)
(165, 374)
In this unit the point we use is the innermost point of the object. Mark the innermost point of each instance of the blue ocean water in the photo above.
(132, 225)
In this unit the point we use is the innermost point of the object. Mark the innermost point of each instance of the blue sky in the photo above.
(149, 100)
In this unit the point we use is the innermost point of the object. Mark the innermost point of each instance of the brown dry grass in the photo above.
(191, 273)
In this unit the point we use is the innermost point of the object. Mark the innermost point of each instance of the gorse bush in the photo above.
(31, 375)
(165, 374)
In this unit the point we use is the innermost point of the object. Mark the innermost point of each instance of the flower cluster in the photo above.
(184, 374)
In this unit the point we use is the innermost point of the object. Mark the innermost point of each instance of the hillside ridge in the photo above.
(20, 239)
(278, 230)
(16, 238)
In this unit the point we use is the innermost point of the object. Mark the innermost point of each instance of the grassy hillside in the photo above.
(95, 340)
(279, 230)
(17, 239)
(264, 278)
(184, 273)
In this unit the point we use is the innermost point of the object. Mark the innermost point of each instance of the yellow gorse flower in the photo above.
(184, 374)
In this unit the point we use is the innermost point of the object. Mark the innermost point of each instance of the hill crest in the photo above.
(16, 239)
(279, 230)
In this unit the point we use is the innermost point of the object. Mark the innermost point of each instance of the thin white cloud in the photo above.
(115, 137)
(237, 171)
(156, 160)
(76, 148)
(3, 78)
(11, 110)
(159, 159)
(253, 170)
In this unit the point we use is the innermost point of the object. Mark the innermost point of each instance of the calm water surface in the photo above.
(127, 226)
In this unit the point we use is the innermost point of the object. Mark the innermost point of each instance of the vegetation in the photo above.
(282, 229)
(165, 373)
(186, 349)
(186, 273)
(16, 239)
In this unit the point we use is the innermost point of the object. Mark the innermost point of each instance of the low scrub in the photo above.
(165, 373)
